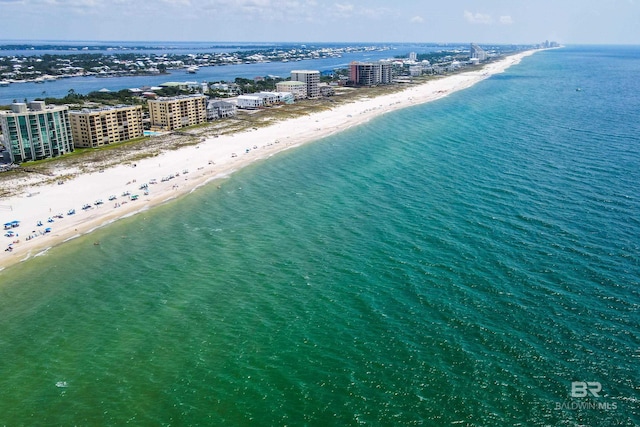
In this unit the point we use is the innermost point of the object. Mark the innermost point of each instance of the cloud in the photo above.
(376, 13)
(486, 19)
(417, 20)
(344, 8)
(506, 20)
(74, 3)
(235, 6)
(267, 11)
(348, 10)
(477, 18)
(84, 8)
(178, 2)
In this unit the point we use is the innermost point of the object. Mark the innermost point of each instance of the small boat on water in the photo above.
(192, 70)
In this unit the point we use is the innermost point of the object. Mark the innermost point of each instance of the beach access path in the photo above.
(172, 174)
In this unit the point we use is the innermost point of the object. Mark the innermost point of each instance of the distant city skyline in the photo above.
(375, 21)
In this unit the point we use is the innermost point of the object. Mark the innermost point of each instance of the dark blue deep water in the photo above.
(457, 263)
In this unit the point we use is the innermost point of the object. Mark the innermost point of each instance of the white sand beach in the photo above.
(190, 167)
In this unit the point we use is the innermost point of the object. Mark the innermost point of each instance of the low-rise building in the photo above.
(298, 89)
(96, 127)
(225, 88)
(183, 85)
(286, 98)
(250, 102)
(326, 90)
(415, 70)
(36, 131)
(178, 111)
(268, 98)
(271, 98)
(220, 110)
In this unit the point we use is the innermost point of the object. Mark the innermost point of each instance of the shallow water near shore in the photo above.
(456, 263)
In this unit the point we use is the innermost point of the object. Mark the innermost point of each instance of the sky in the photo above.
(375, 21)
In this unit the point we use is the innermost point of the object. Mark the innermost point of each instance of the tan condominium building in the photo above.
(311, 78)
(103, 126)
(177, 112)
(35, 131)
(298, 89)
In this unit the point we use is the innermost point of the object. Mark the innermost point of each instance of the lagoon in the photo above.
(83, 85)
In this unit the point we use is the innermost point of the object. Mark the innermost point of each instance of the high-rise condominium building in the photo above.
(370, 73)
(36, 131)
(477, 52)
(311, 78)
(103, 126)
(178, 112)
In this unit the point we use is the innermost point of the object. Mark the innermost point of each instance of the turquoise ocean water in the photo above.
(461, 262)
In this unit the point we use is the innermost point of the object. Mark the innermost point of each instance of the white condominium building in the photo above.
(250, 102)
(36, 131)
(476, 52)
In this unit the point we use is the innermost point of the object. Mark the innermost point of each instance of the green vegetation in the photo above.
(443, 56)
(74, 99)
(252, 86)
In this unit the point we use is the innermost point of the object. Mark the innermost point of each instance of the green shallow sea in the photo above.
(461, 262)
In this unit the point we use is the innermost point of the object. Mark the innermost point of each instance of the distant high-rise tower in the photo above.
(477, 52)
(413, 56)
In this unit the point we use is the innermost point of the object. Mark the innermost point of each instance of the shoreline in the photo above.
(191, 167)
